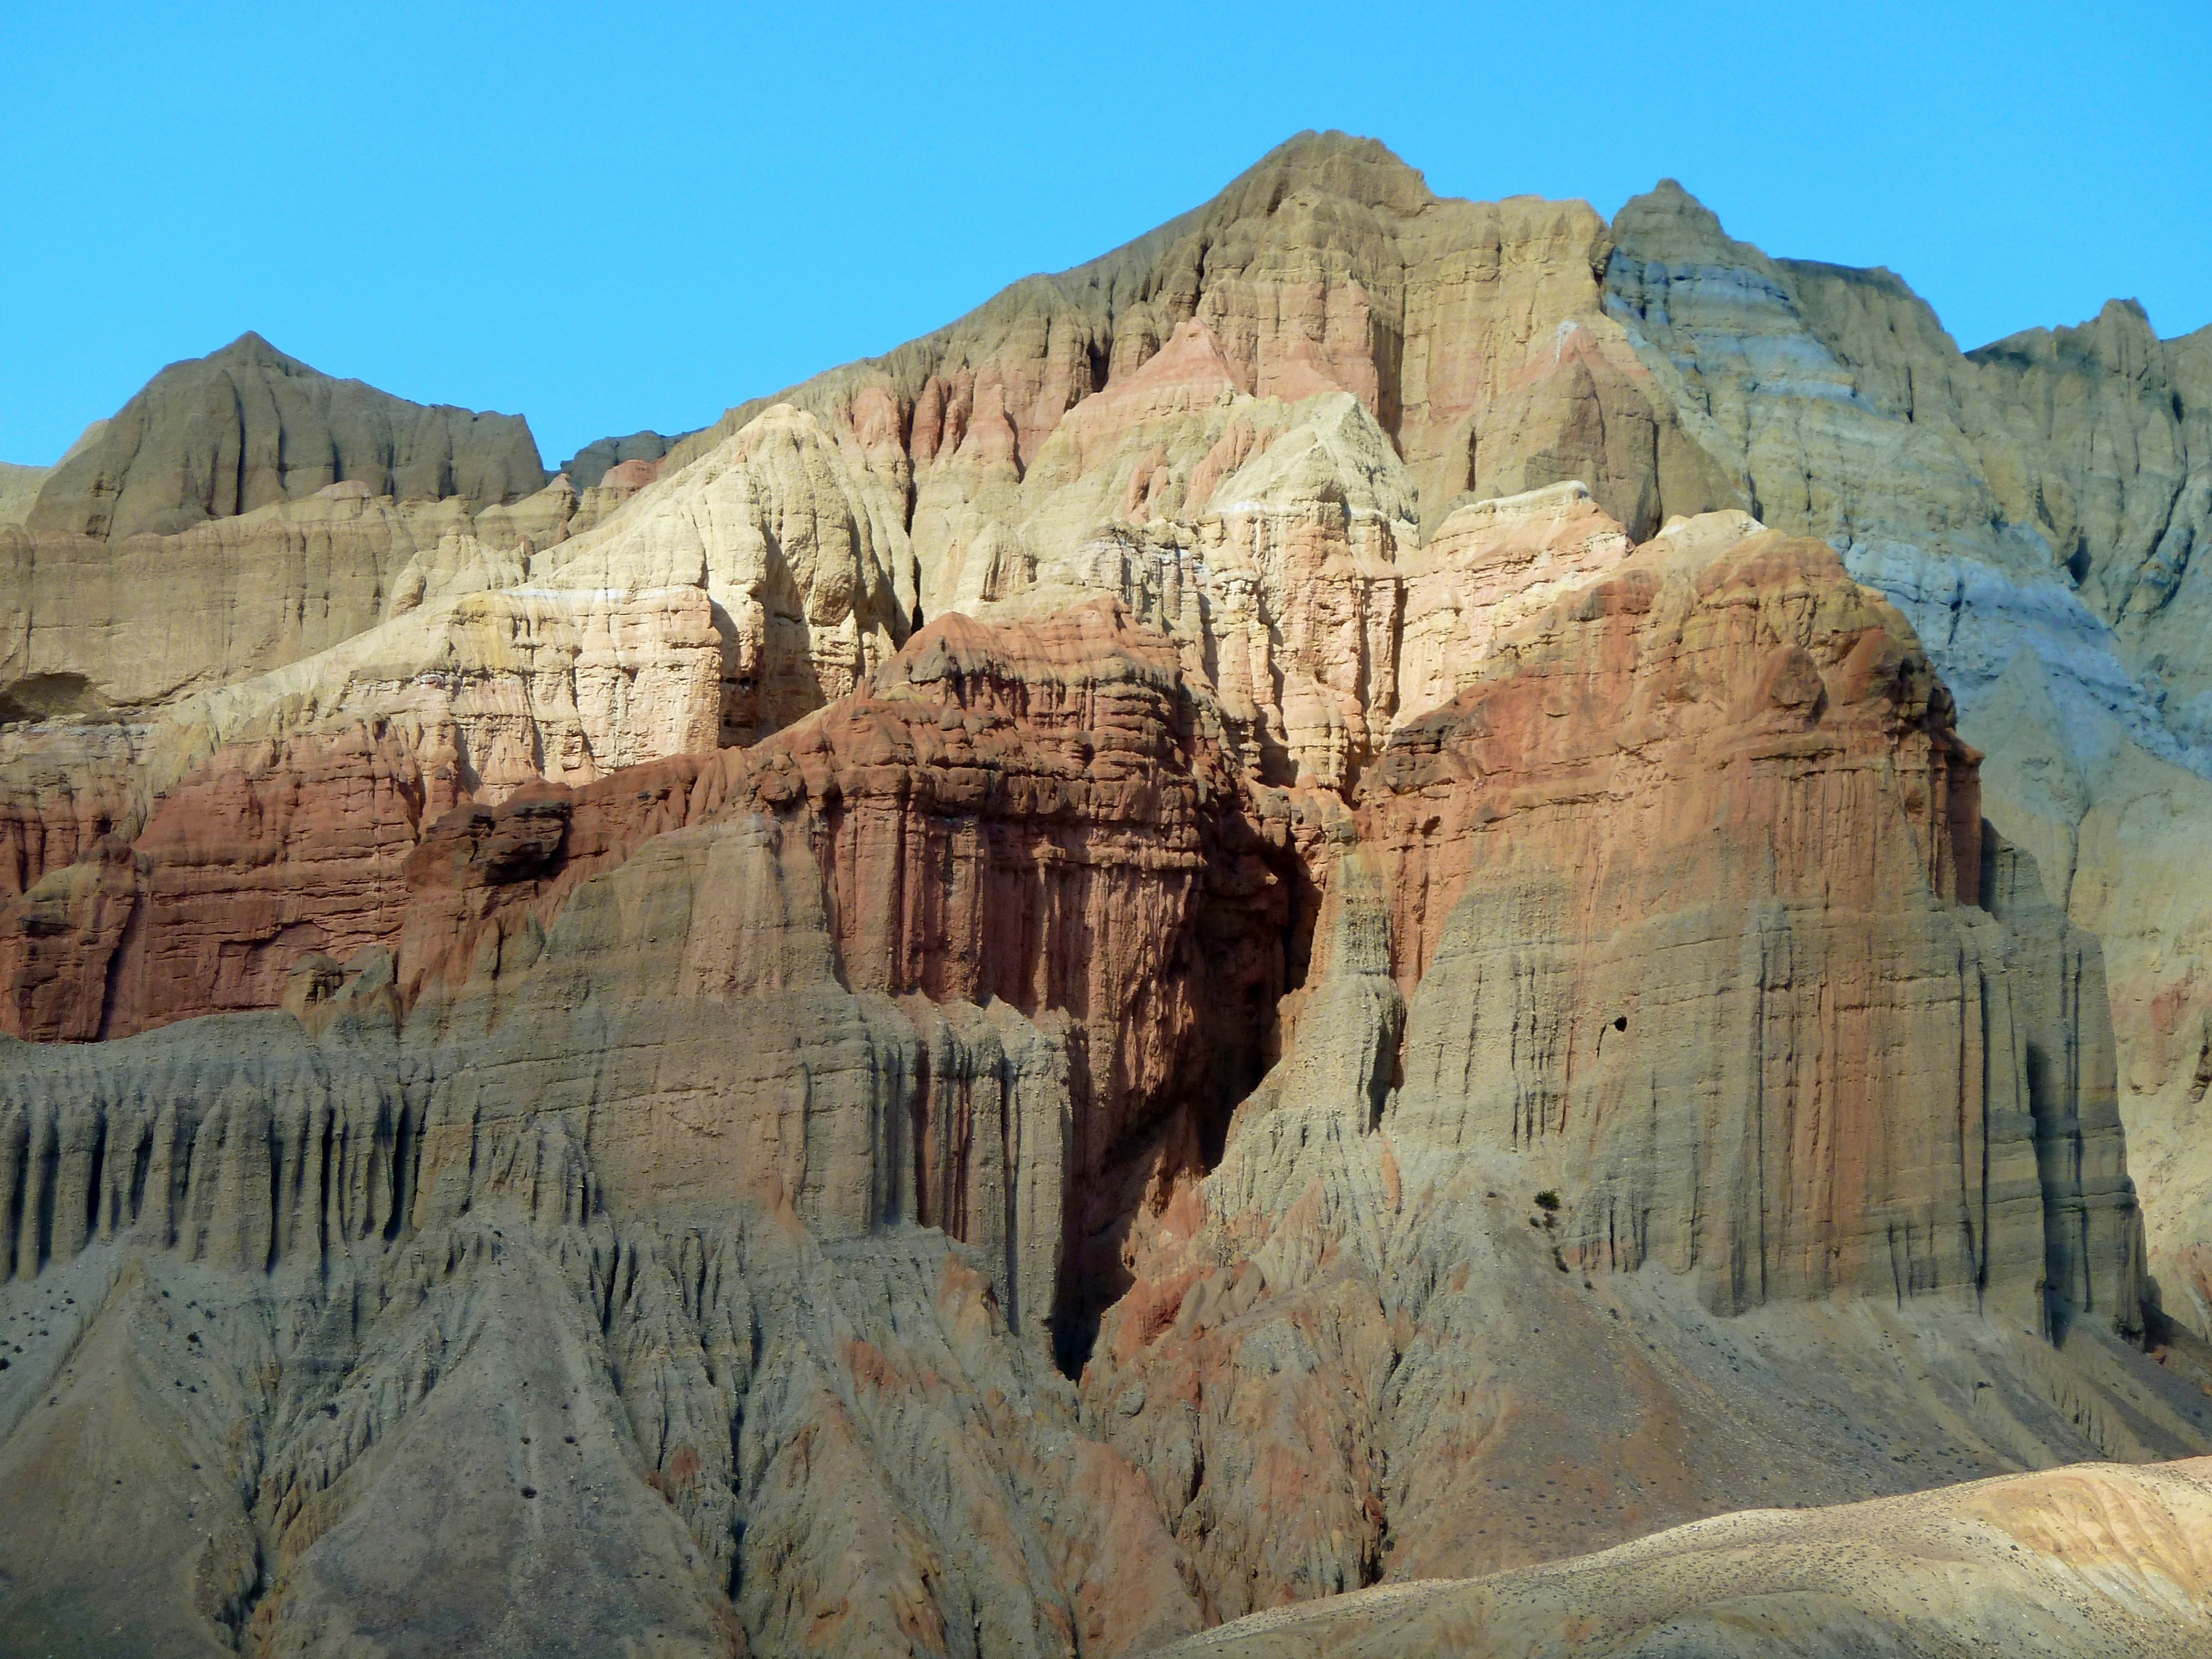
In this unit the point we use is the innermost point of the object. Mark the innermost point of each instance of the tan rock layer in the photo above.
(2102, 1560)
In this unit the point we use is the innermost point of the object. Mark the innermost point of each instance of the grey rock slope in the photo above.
(592, 462)
(333, 1335)
(247, 426)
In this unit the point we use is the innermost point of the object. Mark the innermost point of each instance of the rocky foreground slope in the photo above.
(2094, 1560)
(1267, 919)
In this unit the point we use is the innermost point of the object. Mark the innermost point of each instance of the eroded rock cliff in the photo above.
(1230, 931)
(2036, 507)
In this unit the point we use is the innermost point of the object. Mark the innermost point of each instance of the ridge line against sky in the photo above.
(606, 224)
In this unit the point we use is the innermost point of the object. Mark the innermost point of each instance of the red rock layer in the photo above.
(271, 853)
(55, 804)
(1663, 720)
(1717, 811)
(1042, 815)
(1704, 968)
(1029, 813)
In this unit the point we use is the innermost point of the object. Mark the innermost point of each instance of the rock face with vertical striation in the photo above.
(1704, 835)
(1303, 909)
(1597, 991)
(2036, 508)
(444, 1187)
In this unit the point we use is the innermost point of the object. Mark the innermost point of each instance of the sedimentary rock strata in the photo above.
(1302, 908)
(2035, 507)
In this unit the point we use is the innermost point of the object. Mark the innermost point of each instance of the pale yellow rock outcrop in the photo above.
(2093, 1562)
(1491, 565)
(802, 556)
(759, 584)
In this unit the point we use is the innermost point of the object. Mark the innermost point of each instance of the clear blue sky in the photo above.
(610, 217)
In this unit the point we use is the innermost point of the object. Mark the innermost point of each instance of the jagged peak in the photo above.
(2118, 324)
(1667, 223)
(252, 350)
(1364, 170)
(160, 463)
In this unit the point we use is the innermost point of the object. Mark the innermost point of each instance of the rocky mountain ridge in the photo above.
(1012, 977)
(248, 426)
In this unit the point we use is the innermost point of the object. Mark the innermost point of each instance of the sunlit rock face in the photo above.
(1942, 1572)
(1595, 994)
(2036, 508)
(1302, 908)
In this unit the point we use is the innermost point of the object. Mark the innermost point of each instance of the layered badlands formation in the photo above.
(1302, 909)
